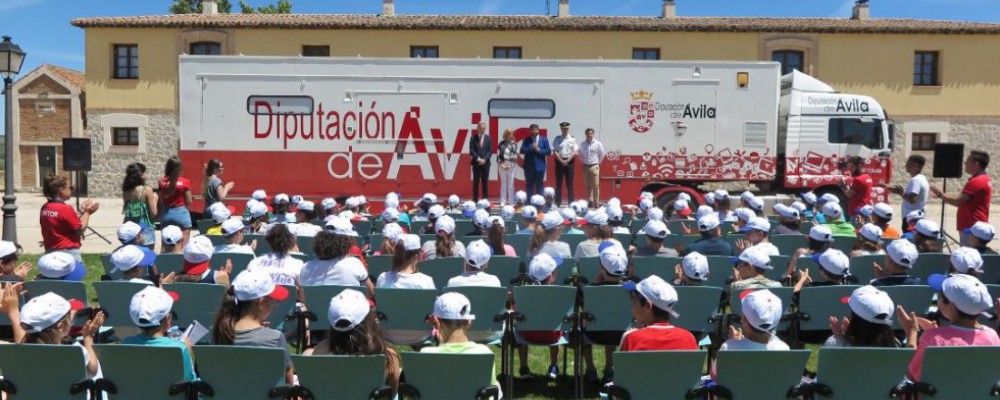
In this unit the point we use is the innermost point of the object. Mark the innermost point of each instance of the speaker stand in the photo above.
(944, 234)
(76, 194)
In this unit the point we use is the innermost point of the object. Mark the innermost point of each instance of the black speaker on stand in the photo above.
(949, 159)
(76, 159)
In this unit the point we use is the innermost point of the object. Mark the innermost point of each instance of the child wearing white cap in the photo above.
(836, 220)
(756, 231)
(170, 240)
(870, 323)
(233, 229)
(529, 218)
(495, 237)
(477, 259)
(900, 256)
(966, 260)
(150, 310)
(126, 259)
(834, 268)
(433, 213)
(751, 265)
(789, 220)
(723, 206)
(354, 331)
(10, 270)
(653, 302)
(404, 272)
(390, 237)
(279, 264)
(334, 264)
(711, 242)
(545, 239)
(616, 219)
(869, 241)
(692, 271)
(541, 271)
(282, 206)
(682, 210)
(423, 207)
(596, 226)
(245, 308)
(445, 244)
(305, 213)
(960, 299)
(197, 264)
(882, 214)
(656, 232)
(820, 239)
(452, 317)
(59, 265)
(927, 236)
(455, 204)
(762, 311)
(979, 236)
(48, 319)
(219, 213)
(614, 271)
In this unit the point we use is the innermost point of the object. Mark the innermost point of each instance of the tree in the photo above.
(282, 7)
(194, 7)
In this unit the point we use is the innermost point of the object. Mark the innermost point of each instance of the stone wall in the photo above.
(159, 139)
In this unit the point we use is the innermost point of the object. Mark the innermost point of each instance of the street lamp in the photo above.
(11, 59)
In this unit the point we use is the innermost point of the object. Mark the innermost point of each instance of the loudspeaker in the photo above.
(949, 160)
(76, 154)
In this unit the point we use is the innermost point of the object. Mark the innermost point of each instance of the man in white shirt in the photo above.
(564, 151)
(591, 155)
(916, 192)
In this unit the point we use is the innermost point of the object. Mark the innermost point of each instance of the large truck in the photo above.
(337, 126)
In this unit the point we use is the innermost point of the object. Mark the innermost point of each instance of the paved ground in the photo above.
(107, 219)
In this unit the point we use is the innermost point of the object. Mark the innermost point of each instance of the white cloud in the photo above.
(7, 5)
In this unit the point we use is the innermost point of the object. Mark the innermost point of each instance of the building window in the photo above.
(315, 51)
(924, 141)
(125, 136)
(206, 48)
(925, 68)
(791, 60)
(645, 54)
(507, 52)
(126, 61)
(423, 52)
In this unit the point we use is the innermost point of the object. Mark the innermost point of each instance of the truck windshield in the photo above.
(867, 133)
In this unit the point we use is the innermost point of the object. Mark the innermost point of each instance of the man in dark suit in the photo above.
(481, 149)
(535, 149)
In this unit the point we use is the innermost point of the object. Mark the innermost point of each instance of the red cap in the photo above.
(76, 305)
(195, 268)
(174, 295)
(279, 293)
(685, 212)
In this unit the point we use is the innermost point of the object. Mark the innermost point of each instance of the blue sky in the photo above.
(42, 29)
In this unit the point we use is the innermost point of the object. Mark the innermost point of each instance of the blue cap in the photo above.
(816, 257)
(936, 282)
(745, 229)
(148, 257)
(605, 244)
(79, 271)
(734, 260)
(629, 285)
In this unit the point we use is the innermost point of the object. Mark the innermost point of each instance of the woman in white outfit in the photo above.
(507, 158)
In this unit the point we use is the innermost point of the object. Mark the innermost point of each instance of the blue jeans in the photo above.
(177, 216)
(535, 181)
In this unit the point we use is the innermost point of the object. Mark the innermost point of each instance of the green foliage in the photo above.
(281, 7)
(194, 7)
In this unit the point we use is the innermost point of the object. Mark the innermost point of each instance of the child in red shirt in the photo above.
(653, 300)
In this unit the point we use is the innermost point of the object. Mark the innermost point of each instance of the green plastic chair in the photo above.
(115, 298)
(720, 270)
(306, 245)
(931, 263)
(624, 238)
(448, 376)
(733, 237)
(363, 228)
(975, 379)
(198, 302)
(65, 289)
(783, 293)
(258, 370)
(64, 375)
(144, 372)
(240, 262)
(463, 227)
(861, 267)
(787, 244)
(377, 265)
(644, 267)
(204, 224)
(318, 302)
(217, 239)
(442, 269)
(587, 266)
(505, 268)
(520, 243)
(405, 309)
(641, 375)
(282, 308)
(695, 306)
(357, 377)
(108, 267)
(565, 270)
(780, 264)
(991, 269)
(675, 227)
(573, 241)
(605, 310)
(820, 303)
(262, 246)
(469, 239)
(418, 226)
(804, 262)
(487, 303)
(739, 373)
(842, 371)
(844, 243)
(544, 309)
(913, 298)
(167, 263)
(375, 241)
(637, 224)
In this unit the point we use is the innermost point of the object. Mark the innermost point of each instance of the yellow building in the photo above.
(937, 79)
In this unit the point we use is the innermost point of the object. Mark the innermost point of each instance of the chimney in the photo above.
(209, 7)
(388, 7)
(669, 9)
(860, 12)
(563, 9)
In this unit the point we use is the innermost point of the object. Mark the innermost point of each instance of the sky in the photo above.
(42, 29)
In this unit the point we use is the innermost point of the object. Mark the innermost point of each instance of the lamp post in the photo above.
(11, 59)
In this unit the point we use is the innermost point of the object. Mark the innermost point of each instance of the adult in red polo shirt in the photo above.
(859, 192)
(974, 201)
(62, 228)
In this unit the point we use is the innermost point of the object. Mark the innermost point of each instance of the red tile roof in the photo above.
(540, 23)
(71, 76)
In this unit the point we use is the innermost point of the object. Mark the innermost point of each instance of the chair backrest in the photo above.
(487, 302)
(282, 308)
(861, 267)
(167, 263)
(240, 261)
(442, 269)
(783, 293)
(740, 372)
(676, 226)
(844, 243)
(587, 266)
(418, 226)
(780, 266)
(262, 246)
(624, 238)
(448, 376)
(141, 372)
(973, 380)
(198, 302)
(994, 294)
(66, 289)
(305, 244)
(115, 298)
(505, 268)
(363, 227)
(644, 267)
(822, 302)
(720, 270)
(108, 266)
(695, 305)
(375, 241)
(930, 263)
(378, 265)
(913, 298)
(520, 243)
(658, 374)
(405, 308)
(464, 227)
(843, 370)
(465, 239)
(204, 224)
(787, 244)
(991, 269)
(565, 270)
(801, 263)
(217, 239)
(733, 237)
(609, 306)
(356, 377)
(543, 307)
(672, 241)
(258, 370)
(63, 367)
(636, 225)
(318, 301)
(573, 240)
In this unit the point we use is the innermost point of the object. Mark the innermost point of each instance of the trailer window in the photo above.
(867, 133)
(522, 108)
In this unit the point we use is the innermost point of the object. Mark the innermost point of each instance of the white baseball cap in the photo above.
(684, 196)
(257, 209)
(329, 203)
(537, 200)
(756, 204)
(496, 220)
(757, 224)
(928, 228)
(280, 198)
(259, 195)
(646, 195)
(809, 197)
(306, 205)
(746, 196)
(254, 284)
(614, 214)
(798, 206)
(595, 217)
(549, 191)
(579, 206)
(362, 199)
(41, 312)
(352, 202)
(786, 211)
(829, 198)
(296, 199)
(427, 198)
(967, 260)
(833, 261)
(481, 218)
(883, 210)
(453, 306)
(468, 208)
(61, 265)
(436, 211)
(126, 258)
(866, 210)
(872, 305)
(762, 309)
(871, 232)
(710, 198)
(755, 257)
(197, 253)
(681, 207)
(552, 220)
(128, 231)
(391, 232)
(391, 200)
(390, 215)
(966, 292)
(350, 306)
(612, 202)
(507, 212)
(477, 254)
(656, 229)
(656, 291)
(232, 226)
(645, 204)
(655, 214)
(708, 222)
(568, 214)
(453, 200)
(902, 252)
(521, 197)
(483, 204)
(7, 248)
(981, 230)
(703, 211)
(915, 215)
(445, 224)
(340, 226)
(821, 233)
(744, 214)
(695, 266)
(542, 266)
(410, 242)
(529, 212)
(150, 306)
(614, 259)
(832, 210)
(171, 235)
(220, 213)
(721, 194)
